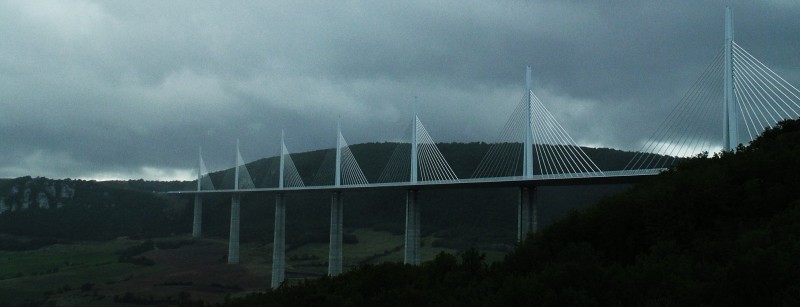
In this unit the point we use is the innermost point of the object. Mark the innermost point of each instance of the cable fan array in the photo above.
(238, 177)
(203, 176)
(504, 158)
(292, 177)
(763, 98)
(555, 153)
(690, 127)
(350, 171)
(398, 167)
(244, 181)
(431, 165)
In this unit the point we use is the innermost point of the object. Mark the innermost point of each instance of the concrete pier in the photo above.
(335, 249)
(412, 240)
(233, 243)
(279, 242)
(197, 223)
(527, 212)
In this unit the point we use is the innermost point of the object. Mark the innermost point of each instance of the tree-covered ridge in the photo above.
(87, 210)
(715, 230)
(462, 218)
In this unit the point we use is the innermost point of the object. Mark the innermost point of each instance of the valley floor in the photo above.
(91, 274)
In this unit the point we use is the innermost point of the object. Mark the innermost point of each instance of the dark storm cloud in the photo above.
(130, 89)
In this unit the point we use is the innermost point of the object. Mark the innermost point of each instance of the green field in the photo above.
(89, 273)
(60, 269)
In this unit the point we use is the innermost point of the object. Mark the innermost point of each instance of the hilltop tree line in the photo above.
(138, 208)
(462, 218)
(96, 211)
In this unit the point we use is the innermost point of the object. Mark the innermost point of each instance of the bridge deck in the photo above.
(613, 177)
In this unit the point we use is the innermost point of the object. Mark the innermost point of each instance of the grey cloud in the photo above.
(129, 87)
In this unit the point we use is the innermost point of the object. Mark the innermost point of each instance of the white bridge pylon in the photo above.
(288, 175)
(736, 90)
(243, 178)
(204, 182)
(417, 160)
(431, 165)
(237, 178)
(533, 143)
(339, 166)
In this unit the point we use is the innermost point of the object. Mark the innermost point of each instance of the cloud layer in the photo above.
(130, 89)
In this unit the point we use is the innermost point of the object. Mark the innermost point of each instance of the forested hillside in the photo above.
(89, 210)
(718, 230)
(462, 218)
(58, 210)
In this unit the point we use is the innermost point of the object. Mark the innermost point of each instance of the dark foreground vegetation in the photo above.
(719, 230)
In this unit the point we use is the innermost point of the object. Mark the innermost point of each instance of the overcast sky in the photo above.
(130, 89)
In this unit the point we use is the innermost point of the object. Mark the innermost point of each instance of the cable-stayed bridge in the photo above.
(533, 149)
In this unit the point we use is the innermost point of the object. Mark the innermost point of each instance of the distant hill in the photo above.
(86, 210)
(720, 230)
(80, 209)
(463, 218)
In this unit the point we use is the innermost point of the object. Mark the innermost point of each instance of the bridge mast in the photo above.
(414, 161)
(199, 168)
(730, 133)
(528, 163)
(282, 162)
(236, 170)
(338, 172)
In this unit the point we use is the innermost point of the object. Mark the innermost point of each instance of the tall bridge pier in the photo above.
(233, 239)
(335, 249)
(527, 215)
(335, 260)
(279, 239)
(411, 254)
(279, 242)
(197, 221)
